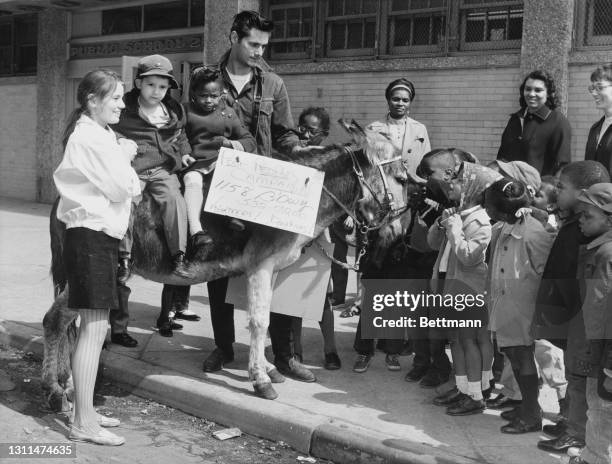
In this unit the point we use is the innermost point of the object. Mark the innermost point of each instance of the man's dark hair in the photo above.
(249, 19)
(583, 174)
(318, 112)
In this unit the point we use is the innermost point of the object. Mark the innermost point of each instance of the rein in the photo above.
(386, 206)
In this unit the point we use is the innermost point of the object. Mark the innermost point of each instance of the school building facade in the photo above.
(466, 58)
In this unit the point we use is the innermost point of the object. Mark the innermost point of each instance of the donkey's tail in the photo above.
(57, 229)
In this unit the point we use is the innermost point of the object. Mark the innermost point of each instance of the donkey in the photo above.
(365, 179)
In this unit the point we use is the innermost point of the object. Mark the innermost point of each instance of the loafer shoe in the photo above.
(187, 315)
(104, 437)
(519, 426)
(216, 360)
(466, 407)
(561, 444)
(362, 363)
(102, 420)
(415, 374)
(392, 362)
(555, 430)
(296, 371)
(501, 402)
(510, 415)
(124, 339)
(432, 380)
(448, 398)
(332, 361)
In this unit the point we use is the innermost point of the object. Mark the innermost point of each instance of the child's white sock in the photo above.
(487, 376)
(462, 383)
(474, 390)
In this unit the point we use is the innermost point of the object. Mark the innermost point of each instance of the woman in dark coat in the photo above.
(538, 133)
(599, 143)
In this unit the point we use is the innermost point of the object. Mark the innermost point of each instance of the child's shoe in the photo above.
(236, 225)
(201, 238)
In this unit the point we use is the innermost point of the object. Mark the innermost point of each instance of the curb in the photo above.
(307, 432)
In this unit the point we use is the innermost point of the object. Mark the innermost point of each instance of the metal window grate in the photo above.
(598, 30)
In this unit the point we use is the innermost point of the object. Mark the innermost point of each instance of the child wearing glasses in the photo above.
(210, 126)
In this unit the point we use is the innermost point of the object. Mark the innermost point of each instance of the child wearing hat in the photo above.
(156, 122)
(595, 279)
(558, 303)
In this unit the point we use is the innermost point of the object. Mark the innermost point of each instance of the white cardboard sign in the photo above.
(266, 191)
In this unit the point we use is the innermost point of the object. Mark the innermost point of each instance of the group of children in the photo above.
(545, 266)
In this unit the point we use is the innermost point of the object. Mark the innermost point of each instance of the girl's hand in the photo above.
(348, 224)
(453, 221)
(448, 212)
(129, 148)
(188, 160)
(226, 143)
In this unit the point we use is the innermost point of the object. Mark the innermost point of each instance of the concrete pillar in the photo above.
(547, 41)
(51, 96)
(219, 16)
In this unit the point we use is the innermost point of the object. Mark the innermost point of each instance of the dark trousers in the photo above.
(222, 317)
(120, 317)
(165, 189)
(577, 405)
(339, 274)
(430, 354)
(365, 346)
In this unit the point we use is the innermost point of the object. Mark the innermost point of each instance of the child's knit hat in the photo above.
(599, 195)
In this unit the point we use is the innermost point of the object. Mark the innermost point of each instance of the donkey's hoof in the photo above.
(275, 376)
(265, 391)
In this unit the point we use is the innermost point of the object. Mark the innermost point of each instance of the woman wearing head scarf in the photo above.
(462, 235)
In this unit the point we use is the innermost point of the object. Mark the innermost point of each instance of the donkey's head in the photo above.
(383, 185)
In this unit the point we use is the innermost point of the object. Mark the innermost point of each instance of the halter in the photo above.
(386, 205)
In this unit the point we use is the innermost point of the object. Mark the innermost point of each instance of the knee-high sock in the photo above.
(85, 360)
(194, 199)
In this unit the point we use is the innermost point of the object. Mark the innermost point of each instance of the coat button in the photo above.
(501, 270)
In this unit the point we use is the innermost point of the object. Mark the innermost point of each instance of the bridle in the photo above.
(387, 211)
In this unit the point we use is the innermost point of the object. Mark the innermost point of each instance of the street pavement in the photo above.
(344, 416)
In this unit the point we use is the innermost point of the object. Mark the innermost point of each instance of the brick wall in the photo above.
(465, 108)
(18, 136)
(581, 111)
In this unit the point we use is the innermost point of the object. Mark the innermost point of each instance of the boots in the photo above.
(178, 264)
(124, 271)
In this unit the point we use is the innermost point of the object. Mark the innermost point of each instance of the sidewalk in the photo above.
(345, 417)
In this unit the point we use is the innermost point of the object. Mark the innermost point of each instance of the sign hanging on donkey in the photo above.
(266, 191)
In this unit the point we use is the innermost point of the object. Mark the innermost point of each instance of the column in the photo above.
(219, 16)
(51, 97)
(547, 41)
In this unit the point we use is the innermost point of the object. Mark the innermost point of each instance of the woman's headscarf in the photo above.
(474, 179)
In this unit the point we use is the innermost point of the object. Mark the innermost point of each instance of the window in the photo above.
(416, 26)
(489, 24)
(153, 17)
(370, 28)
(18, 45)
(594, 21)
(350, 27)
(293, 21)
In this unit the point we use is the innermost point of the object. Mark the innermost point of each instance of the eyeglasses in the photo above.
(303, 130)
(598, 87)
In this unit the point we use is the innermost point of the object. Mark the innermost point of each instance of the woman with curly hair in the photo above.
(538, 133)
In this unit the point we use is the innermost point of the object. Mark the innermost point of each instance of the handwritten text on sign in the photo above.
(264, 190)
